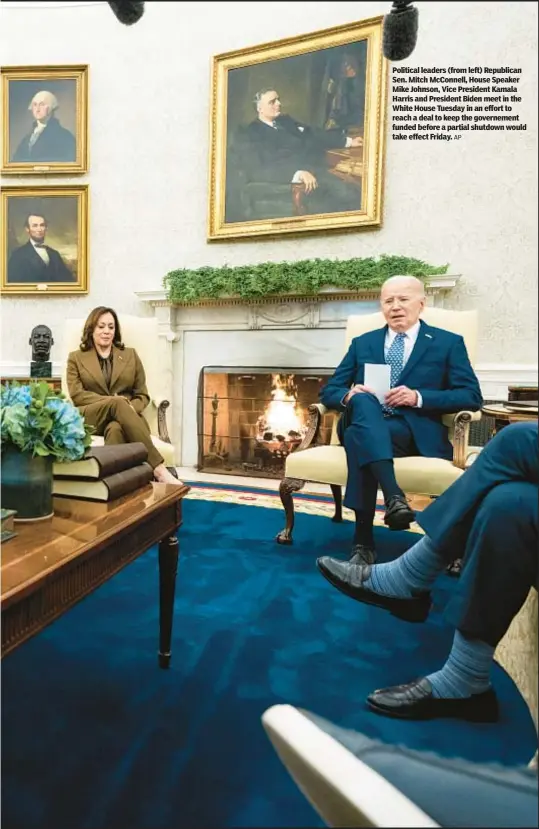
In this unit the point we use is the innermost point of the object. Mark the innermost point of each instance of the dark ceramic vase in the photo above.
(26, 484)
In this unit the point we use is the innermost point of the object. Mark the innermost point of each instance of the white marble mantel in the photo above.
(286, 333)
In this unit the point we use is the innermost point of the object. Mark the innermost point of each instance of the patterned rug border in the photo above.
(308, 503)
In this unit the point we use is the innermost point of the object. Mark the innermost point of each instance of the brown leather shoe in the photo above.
(414, 701)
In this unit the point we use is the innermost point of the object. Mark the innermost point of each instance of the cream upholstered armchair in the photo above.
(140, 333)
(326, 464)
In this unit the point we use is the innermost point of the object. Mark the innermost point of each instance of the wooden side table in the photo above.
(502, 416)
(522, 393)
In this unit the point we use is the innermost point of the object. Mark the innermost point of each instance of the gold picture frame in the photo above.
(44, 240)
(331, 88)
(45, 120)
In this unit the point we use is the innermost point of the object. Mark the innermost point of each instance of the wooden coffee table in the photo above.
(50, 565)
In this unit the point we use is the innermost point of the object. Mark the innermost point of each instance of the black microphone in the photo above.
(400, 30)
(127, 11)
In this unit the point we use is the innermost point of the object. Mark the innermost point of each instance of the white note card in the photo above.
(378, 378)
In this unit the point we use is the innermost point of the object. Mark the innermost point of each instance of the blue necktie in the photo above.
(395, 359)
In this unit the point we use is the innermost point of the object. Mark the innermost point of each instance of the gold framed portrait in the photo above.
(45, 120)
(44, 241)
(297, 134)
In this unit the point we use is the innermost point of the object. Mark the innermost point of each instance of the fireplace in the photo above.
(251, 419)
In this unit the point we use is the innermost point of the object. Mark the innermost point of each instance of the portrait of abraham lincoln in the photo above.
(45, 239)
(298, 134)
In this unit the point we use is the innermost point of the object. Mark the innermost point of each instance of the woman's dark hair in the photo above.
(87, 340)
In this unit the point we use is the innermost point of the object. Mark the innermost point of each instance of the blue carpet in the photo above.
(95, 736)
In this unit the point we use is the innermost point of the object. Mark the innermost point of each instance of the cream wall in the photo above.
(472, 203)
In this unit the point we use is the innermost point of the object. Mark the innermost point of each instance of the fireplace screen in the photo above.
(250, 419)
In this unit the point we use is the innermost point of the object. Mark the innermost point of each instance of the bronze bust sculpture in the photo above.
(41, 341)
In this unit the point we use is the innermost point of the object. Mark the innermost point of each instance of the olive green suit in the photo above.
(114, 410)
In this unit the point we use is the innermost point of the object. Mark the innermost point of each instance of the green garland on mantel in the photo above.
(306, 277)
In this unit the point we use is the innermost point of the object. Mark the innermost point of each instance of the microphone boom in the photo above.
(127, 11)
(400, 30)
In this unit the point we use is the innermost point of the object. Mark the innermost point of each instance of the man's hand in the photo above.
(357, 141)
(401, 396)
(308, 180)
(358, 389)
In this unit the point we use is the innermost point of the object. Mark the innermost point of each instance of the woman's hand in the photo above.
(125, 397)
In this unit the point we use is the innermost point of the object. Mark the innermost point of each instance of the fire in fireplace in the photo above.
(249, 420)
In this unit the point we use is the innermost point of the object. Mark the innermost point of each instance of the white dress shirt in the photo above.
(38, 129)
(410, 338)
(41, 252)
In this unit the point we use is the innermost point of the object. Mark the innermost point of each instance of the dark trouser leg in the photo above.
(513, 455)
(500, 563)
(365, 516)
(133, 425)
(402, 439)
(403, 445)
(366, 439)
(333, 195)
(113, 433)
(371, 441)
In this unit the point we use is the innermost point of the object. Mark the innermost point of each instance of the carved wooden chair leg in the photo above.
(337, 497)
(287, 487)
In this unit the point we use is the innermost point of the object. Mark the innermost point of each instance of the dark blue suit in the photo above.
(438, 367)
(489, 517)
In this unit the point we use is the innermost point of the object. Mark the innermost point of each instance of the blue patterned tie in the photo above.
(395, 359)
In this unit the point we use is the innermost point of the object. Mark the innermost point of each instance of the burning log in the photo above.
(280, 429)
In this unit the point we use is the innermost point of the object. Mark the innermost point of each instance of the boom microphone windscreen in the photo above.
(400, 30)
(127, 11)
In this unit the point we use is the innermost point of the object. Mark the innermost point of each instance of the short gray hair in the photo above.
(48, 97)
(258, 95)
(404, 278)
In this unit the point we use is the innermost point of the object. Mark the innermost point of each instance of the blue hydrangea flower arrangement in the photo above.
(35, 418)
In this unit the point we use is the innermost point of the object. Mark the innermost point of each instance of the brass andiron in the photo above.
(217, 451)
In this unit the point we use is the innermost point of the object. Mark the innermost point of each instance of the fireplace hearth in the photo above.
(251, 419)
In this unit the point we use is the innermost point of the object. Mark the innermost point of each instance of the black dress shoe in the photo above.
(415, 701)
(349, 578)
(362, 554)
(455, 568)
(398, 515)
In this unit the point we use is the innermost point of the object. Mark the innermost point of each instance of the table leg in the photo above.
(168, 567)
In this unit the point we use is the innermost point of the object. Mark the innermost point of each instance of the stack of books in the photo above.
(8, 524)
(104, 474)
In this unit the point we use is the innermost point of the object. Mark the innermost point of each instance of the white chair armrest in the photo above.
(449, 419)
(158, 401)
(343, 790)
